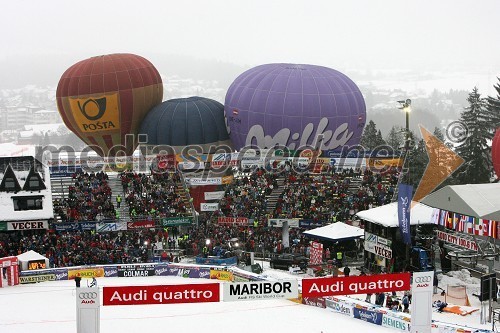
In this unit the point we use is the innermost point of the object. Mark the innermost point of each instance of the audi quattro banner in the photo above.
(260, 290)
(136, 270)
(351, 285)
(164, 294)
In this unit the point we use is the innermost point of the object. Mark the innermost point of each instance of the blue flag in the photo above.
(405, 194)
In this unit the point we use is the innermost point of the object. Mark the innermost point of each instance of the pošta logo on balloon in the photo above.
(96, 114)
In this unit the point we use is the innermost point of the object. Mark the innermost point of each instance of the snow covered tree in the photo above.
(395, 138)
(494, 107)
(371, 138)
(475, 150)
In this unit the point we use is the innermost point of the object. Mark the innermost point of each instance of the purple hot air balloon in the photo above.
(297, 106)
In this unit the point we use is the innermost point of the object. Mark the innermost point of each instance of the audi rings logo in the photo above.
(87, 295)
(422, 279)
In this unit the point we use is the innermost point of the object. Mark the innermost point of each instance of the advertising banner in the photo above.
(278, 223)
(221, 275)
(453, 239)
(110, 271)
(209, 207)
(61, 274)
(405, 193)
(260, 290)
(140, 224)
(316, 254)
(318, 302)
(87, 226)
(67, 227)
(378, 245)
(203, 181)
(86, 273)
(232, 220)
(176, 221)
(421, 302)
(162, 294)
(310, 224)
(216, 195)
(27, 225)
(107, 227)
(224, 159)
(379, 249)
(336, 306)
(37, 278)
(3, 226)
(317, 287)
(136, 270)
(367, 315)
(395, 323)
(88, 310)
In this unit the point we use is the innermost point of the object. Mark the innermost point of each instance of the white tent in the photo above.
(477, 200)
(336, 232)
(26, 257)
(387, 215)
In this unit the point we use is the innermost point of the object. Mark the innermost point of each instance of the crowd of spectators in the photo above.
(89, 199)
(247, 195)
(334, 196)
(154, 195)
(64, 249)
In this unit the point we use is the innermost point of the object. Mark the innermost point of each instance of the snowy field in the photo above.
(51, 307)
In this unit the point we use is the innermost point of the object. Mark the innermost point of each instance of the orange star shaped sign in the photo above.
(442, 163)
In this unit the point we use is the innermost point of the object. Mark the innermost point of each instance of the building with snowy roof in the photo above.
(25, 194)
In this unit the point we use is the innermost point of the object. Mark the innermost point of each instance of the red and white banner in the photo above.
(165, 294)
(316, 254)
(140, 224)
(232, 220)
(351, 285)
(449, 238)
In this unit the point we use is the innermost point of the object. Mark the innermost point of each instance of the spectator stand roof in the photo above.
(477, 200)
(336, 232)
(387, 215)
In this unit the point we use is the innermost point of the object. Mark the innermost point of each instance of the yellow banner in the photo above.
(87, 273)
(37, 278)
(227, 180)
(381, 162)
(221, 275)
(96, 113)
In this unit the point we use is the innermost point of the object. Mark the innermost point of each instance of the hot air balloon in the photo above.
(104, 98)
(295, 106)
(181, 122)
(495, 152)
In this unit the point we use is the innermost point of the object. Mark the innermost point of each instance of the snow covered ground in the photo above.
(51, 307)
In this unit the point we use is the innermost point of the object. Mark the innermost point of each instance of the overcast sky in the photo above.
(361, 35)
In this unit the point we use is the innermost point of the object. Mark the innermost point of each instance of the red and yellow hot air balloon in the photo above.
(495, 152)
(102, 99)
